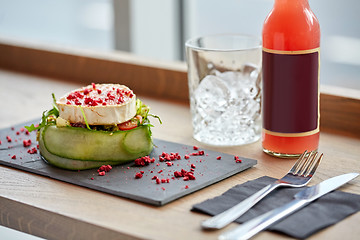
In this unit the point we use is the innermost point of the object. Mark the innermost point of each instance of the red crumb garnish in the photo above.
(169, 156)
(163, 188)
(218, 158)
(105, 168)
(186, 156)
(93, 96)
(138, 175)
(32, 150)
(199, 153)
(186, 187)
(237, 159)
(13, 157)
(195, 148)
(27, 143)
(144, 161)
(185, 175)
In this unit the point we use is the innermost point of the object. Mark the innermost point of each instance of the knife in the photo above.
(302, 198)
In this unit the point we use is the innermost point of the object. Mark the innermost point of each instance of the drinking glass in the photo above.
(224, 77)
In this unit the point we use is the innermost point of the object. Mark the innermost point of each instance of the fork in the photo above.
(298, 176)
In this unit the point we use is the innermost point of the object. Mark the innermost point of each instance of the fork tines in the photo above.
(306, 164)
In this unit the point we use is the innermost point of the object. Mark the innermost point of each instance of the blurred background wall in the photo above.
(158, 28)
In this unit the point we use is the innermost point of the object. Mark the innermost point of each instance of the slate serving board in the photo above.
(121, 181)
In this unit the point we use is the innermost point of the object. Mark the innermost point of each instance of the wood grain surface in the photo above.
(57, 210)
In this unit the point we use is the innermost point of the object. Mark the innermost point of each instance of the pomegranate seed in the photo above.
(186, 187)
(218, 158)
(187, 157)
(158, 181)
(8, 138)
(142, 172)
(13, 157)
(169, 163)
(102, 173)
(163, 188)
(92, 178)
(195, 148)
(193, 166)
(154, 177)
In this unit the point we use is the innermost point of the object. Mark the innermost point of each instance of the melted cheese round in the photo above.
(103, 104)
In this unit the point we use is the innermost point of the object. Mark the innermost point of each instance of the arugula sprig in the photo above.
(48, 117)
(143, 110)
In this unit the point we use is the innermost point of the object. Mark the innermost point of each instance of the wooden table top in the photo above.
(56, 210)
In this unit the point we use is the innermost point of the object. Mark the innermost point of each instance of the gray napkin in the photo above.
(325, 211)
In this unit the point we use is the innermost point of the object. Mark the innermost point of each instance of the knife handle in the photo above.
(252, 227)
(221, 220)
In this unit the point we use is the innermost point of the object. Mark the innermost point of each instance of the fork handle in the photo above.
(252, 227)
(221, 220)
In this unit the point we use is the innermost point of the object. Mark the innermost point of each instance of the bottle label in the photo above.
(291, 92)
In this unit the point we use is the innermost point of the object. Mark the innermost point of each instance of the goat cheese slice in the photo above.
(103, 104)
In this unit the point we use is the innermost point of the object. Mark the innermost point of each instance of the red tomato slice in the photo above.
(131, 124)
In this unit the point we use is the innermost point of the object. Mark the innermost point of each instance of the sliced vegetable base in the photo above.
(79, 148)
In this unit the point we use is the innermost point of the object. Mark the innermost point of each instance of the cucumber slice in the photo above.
(79, 144)
(136, 141)
(70, 164)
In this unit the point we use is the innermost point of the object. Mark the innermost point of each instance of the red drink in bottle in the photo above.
(291, 64)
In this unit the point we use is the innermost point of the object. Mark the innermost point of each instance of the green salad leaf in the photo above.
(143, 110)
(48, 117)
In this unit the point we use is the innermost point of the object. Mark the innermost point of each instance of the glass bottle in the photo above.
(291, 64)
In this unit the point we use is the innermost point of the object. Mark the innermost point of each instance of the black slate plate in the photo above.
(121, 181)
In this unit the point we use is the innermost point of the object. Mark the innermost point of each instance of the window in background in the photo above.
(75, 23)
(158, 28)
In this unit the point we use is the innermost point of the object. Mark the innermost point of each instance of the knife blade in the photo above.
(302, 198)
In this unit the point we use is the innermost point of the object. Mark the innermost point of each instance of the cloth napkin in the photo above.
(323, 212)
